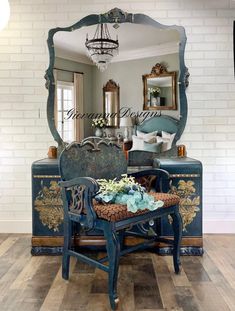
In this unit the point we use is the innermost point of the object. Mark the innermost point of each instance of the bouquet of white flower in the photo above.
(128, 192)
(154, 91)
(99, 122)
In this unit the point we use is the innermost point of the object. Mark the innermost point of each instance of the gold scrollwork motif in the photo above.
(188, 201)
(49, 204)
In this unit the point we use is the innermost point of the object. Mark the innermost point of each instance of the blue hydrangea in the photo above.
(127, 192)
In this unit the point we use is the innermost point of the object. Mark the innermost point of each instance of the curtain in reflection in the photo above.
(55, 72)
(79, 105)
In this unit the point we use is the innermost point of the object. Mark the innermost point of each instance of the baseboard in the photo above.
(218, 226)
(16, 226)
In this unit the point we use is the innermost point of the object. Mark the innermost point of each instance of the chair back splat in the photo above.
(81, 164)
(93, 157)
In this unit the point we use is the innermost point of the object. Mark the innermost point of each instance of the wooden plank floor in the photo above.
(146, 281)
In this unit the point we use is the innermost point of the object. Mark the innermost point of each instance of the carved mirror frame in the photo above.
(112, 120)
(158, 71)
(114, 16)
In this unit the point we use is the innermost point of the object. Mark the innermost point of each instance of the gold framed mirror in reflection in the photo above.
(111, 103)
(159, 89)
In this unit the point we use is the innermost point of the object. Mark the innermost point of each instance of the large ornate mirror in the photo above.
(143, 43)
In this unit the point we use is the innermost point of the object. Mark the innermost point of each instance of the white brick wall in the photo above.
(210, 131)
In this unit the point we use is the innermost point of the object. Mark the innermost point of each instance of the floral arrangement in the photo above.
(154, 91)
(99, 122)
(128, 192)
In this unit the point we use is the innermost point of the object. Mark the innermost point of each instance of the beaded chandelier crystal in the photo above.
(102, 48)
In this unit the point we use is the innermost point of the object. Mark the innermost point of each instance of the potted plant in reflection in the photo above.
(154, 96)
(99, 124)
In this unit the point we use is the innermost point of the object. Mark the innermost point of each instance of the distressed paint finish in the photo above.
(49, 205)
(47, 170)
(189, 201)
(73, 163)
(186, 175)
(93, 157)
(118, 16)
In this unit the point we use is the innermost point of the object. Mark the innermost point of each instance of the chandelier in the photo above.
(102, 48)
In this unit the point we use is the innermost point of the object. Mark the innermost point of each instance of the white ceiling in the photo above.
(135, 41)
(161, 82)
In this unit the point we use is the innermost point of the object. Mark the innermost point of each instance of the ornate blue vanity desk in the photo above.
(186, 173)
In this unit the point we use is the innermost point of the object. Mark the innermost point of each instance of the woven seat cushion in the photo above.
(116, 212)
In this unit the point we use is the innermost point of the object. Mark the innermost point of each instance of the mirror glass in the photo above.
(159, 92)
(111, 104)
(141, 46)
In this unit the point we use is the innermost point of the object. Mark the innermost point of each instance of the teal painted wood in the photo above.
(186, 175)
(47, 205)
(146, 158)
(48, 171)
(113, 16)
(95, 158)
(78, 193)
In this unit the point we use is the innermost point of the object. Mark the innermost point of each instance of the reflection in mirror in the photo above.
(111, 103)
(68, 100)
(142, 43)
(160, 89)
(140, 46)
(65, 102)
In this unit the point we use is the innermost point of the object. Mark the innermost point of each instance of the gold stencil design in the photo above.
(49, 204)
(189, 203)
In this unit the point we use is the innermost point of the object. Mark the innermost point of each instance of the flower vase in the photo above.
(98, 132)
(155, 101)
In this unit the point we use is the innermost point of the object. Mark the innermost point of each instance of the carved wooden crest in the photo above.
(159, 69)
(118, 16)
(110, 86)
(94, 142)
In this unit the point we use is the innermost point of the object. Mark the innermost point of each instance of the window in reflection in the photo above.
(65, 102)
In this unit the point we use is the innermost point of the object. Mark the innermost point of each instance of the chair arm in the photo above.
(163, 182)
(77, 195)
(89, 182)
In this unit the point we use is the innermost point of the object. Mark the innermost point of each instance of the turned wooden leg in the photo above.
(177, 228)
(113, 250)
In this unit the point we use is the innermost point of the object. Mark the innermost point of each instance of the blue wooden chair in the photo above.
(80, 166)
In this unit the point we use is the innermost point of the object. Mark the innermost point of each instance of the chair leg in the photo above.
(121, 236)
(67, 246)
(113, 250)
(177, 228)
